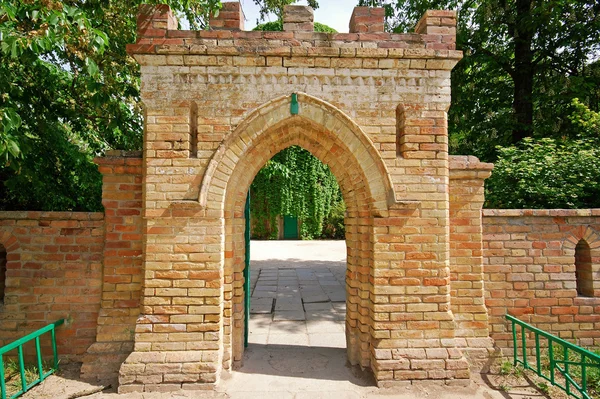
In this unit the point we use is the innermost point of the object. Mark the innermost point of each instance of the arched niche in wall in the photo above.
(583, 269)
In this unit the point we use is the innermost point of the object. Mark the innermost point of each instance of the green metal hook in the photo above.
(295, 107)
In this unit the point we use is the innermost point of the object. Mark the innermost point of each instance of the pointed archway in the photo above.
(332, 137)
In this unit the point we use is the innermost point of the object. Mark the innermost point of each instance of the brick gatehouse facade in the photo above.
(153, 288)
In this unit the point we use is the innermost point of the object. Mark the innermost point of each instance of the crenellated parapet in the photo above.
(434, 39)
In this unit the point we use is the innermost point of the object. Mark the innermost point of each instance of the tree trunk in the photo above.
(524, 72)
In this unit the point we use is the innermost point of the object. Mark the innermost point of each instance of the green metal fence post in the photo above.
(38, 351)
(54, 349)
(583, 374)
(515, 348)
(524, 342)
(2, 379)
(566, 360)
(552, 362)
(538, 360)
(575, 383)
(247, 271)
(18, 345)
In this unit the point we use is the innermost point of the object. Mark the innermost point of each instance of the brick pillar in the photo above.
(414, 327)
(367, 20)
(438, 29)
(230, 17)
(155, 20)
(467, 177)
(298, 19)
(122, 265)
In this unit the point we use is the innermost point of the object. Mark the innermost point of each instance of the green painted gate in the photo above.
(290, 227)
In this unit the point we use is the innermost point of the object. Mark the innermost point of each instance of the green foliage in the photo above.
(68, 92)
(584, 121)
(548, 172)
(575, 369)
(273, 26)
(277, 26)
(276, 7)
(293, 183)
(508, 368)
(13, 375)
(543, 387)
(563, 38)
(319, 27)
(333, 224)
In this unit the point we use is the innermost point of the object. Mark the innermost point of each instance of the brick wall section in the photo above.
(438, 29)
(229, 17)
(467, 177)
(54, 271)
(122, 258)
(367, 20)
(2, 273)
(529, 272)
(298, 19)
(153, 21)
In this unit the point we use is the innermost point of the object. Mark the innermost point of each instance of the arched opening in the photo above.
(298, 289)
(345, 149)
(358, 226)
(2, 273)
(296, 197)
(583, 269)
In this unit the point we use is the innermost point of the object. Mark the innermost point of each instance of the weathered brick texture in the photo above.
(229, 17)
(467, 176)
(218, 108)
(367, 20)
(298, 19)
(53, 271)
(529, 272)
(122, 259)
(428, 278)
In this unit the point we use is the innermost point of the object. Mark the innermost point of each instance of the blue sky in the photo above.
(335, 13)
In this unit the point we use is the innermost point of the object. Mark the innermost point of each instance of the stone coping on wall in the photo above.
(468, 167)
(49, 215)
(541, 212)
(435, 37)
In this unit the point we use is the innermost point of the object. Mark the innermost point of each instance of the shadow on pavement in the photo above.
(309, 362)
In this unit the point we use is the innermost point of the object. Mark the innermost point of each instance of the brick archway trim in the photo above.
(274, 112)
(586, 233)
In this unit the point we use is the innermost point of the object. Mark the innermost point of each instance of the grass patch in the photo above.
(575, 371)
(12, 375)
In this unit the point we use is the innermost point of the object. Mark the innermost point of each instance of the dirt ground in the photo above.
(66, 385)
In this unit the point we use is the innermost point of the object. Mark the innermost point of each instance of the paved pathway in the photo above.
(294, 301)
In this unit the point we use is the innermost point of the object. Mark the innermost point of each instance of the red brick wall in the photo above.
(2, 273)
(122, 258)
(529, 272)
(53, 271)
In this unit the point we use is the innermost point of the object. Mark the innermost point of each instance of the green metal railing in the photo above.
(560, 362)
(18, 344)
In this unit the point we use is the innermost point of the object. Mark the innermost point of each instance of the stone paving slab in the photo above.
(315, 298)
(261, 305)
(318, 306)
(283, 315)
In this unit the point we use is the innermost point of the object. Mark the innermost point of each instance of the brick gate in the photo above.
(371, 105)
